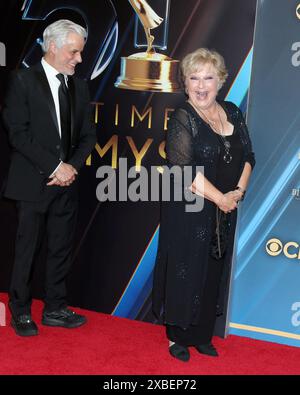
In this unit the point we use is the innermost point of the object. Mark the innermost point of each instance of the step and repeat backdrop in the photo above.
(116, 241)
(266, 293)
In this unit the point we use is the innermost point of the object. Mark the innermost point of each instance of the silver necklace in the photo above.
(227, 157)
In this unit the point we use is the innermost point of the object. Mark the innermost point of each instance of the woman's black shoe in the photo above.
(179, 352)
(207, 349)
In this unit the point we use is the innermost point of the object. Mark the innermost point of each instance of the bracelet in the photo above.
(242, 191)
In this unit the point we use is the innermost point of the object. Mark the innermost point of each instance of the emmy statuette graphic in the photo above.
(148, 71)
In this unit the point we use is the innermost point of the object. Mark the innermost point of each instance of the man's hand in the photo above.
(55, 181)
(64, 175)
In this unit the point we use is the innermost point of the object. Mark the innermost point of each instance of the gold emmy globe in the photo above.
(148, 71)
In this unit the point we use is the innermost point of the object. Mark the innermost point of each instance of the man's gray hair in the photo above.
(58, 32)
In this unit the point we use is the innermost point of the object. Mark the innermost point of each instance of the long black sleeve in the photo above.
(179, 142)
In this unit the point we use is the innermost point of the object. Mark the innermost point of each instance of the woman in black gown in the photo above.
(191, 259)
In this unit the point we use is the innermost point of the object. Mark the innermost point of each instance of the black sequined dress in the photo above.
(188, 283)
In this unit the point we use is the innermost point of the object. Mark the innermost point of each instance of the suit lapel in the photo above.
(44, 85)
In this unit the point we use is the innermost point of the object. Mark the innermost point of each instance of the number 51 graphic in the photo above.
(101, 21)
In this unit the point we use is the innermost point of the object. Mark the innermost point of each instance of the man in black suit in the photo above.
(48, 117)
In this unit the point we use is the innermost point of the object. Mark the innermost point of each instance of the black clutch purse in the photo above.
(220, 236)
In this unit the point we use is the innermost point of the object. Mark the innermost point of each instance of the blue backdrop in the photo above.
(266, 293)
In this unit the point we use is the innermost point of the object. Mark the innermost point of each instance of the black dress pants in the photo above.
(57, 214)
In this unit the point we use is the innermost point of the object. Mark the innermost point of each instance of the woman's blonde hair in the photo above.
(191, 62)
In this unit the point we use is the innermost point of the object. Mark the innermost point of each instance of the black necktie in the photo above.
(65, 117)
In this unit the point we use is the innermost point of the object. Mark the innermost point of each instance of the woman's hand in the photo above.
(228, 202)
(236, 194)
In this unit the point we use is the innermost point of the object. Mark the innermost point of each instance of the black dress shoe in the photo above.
(207, 349)
(65, 318)
(180, 352)
(24, 326)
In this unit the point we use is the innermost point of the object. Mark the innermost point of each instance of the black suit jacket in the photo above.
(30, 119)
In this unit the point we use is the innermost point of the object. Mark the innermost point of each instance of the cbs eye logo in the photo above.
(275, 247)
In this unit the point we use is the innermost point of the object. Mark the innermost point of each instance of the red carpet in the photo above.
(109, 345)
